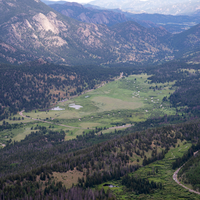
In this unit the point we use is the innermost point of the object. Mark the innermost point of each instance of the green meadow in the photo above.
(124, 101)
(159, 171)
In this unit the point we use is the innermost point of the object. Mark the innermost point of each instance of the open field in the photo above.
(11, 121)
(124, 101)
(126, 93)
(68, 178)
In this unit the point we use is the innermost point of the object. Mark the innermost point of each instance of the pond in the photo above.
(110, 185)
(73, 105)
(57, 108)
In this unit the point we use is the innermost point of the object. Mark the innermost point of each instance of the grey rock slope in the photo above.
(33, 30)
(33, 27)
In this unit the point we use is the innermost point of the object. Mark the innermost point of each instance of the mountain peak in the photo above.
(73, 4)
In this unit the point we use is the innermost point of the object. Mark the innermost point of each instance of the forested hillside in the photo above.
(186, 96)
(27, 167)
(37, 86)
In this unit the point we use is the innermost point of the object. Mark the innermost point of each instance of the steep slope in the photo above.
(173, 24)
(89, 15)
(188, 40)
(9, 54)
(34, 27)
(143, 44)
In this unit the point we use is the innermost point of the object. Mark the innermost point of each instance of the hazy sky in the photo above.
(78, 1)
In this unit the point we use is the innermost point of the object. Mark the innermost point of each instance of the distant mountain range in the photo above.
(30, 30)
(96, 16)
(170, 7)
(53, 2)
(173, 24)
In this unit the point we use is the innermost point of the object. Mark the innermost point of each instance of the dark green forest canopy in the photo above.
(30, 86)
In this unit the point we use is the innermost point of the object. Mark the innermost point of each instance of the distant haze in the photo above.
(78, 1)
(173, 7)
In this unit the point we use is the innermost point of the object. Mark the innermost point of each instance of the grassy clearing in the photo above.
(92, 125)
(129, 93)
(25, 120)
(64, 114)
(22, 133)
(24, 129)
(126, 101)
(69, 178)
(108, 104)
(14, 134)
(159, 171)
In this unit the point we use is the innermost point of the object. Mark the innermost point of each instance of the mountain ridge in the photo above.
(47, 34)
(151, 6)
(42, 32)
(173, 24)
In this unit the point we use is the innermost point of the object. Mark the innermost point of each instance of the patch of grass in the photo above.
(68, 178)
(16, 134)
(90, 125)
(25, 120)
(22, 133)
(108, 104)
(159, 171)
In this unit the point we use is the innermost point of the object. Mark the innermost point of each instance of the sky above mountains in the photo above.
(173, 7)
(78, 1)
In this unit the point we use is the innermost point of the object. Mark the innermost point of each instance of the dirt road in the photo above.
(176, 179)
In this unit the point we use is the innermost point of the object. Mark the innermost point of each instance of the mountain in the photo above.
(39, 30)
(188, 44)
(89, 15)
(188, 40)
(97, 15)
(173, 7)
(9, 54)
(197, 13)
(173, 24)
(53, 2)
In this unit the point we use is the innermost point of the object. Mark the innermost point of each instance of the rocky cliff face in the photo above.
(35, 28)
(32, 27)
